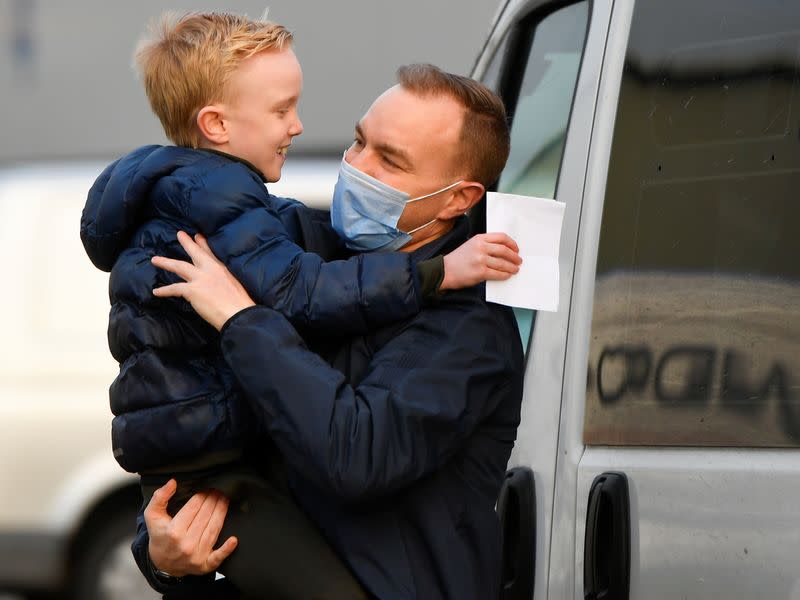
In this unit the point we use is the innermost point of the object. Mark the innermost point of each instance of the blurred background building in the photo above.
(69, 89)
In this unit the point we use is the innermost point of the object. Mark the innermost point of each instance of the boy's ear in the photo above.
(212, 125)
(464, 197)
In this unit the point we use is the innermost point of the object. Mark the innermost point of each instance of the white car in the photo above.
(67, 509)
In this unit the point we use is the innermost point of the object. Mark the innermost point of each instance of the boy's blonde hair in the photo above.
(186, 61)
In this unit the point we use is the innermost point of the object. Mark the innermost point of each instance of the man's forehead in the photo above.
(411, 120)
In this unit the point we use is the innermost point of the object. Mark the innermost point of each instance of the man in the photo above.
(397, 442)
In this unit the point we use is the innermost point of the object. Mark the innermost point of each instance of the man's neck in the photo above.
(426, 235)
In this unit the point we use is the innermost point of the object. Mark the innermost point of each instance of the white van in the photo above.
(658, 452)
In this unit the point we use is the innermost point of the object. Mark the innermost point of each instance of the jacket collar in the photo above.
(246, 163)
(444, 244)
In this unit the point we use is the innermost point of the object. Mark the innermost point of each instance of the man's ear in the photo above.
(211, 123)
(464, 197)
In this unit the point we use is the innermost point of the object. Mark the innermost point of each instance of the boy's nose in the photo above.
(297, 128)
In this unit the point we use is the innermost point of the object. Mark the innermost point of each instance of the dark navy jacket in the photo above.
(175, 399)
(397, 442)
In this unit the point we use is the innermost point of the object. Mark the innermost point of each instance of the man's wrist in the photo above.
(162, 577)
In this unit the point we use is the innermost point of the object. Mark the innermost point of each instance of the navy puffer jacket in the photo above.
(175, 399)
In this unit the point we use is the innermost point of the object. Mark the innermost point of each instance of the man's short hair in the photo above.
(485, 139)
(187, 60)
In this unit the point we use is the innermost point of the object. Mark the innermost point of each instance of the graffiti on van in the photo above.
(696, 375)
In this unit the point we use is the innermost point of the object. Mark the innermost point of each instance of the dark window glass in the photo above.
(542, 105)
(696, 323)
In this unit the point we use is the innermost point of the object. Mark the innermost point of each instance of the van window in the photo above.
(491, 78)
(696, 319)
(540, 86)
(542, 104)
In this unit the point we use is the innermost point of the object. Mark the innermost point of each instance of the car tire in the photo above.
(105, 569)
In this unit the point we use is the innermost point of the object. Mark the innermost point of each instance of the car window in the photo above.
(696, 319)
(538, 84)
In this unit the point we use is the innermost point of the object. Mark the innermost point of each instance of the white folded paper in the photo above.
(535, 224)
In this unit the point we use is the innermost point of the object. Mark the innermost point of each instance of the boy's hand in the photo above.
(487, 256)
(209, 286)
(184, 545)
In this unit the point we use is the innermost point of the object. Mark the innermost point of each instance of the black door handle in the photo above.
(607, 546)
(516, 508)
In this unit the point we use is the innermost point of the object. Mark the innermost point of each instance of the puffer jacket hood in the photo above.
(115, 202)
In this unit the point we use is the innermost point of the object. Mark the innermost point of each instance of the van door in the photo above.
(544, 58)
(678, 458)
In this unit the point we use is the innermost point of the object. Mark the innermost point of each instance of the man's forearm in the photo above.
(368, 440)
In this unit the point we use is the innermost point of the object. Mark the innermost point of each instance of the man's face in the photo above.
(261, 109)
(411, 143)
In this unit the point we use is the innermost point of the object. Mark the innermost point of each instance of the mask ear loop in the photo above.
(431, 222)
(444, 189)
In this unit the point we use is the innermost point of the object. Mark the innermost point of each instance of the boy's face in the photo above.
(261, 110)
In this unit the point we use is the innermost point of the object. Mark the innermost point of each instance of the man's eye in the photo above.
(390, 162)
(357, 142)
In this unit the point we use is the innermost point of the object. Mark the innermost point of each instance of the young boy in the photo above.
(226, 91)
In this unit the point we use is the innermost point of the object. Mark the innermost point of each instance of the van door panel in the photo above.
(559, 170)
(685, 304)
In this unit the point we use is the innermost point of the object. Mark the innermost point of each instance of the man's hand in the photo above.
(209, 287)
(184, 545)
(487, 256)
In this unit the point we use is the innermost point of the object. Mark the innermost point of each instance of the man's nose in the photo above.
(363, 160)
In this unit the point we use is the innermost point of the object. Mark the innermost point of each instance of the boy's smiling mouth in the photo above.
(283, 150)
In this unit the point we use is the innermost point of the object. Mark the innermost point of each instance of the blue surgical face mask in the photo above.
(365, 211)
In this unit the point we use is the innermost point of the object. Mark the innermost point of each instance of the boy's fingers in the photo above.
(501, 265)
(501, 238)
(174, 290)
(181, 268)
(497, 275)
(504, 253)
(216, 558)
